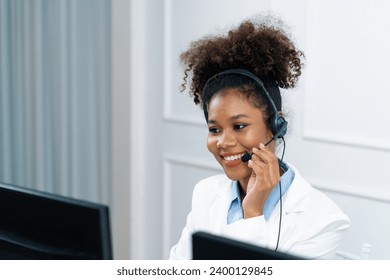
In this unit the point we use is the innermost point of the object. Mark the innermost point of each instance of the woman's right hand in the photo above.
(265, 176)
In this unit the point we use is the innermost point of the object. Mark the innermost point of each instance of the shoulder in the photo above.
(211, 188)
(216, 184)
(313, 202)
(316, 195)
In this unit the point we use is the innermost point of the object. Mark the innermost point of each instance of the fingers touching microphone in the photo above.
(264, 163)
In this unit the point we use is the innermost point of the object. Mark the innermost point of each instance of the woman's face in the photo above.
(235, 127)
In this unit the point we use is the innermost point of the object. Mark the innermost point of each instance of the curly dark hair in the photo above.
(262, 48)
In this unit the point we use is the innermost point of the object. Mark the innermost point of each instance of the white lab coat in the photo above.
(312, 224)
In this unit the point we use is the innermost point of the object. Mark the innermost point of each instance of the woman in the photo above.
(236, 79)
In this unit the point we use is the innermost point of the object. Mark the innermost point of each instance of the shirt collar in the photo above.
(235, 209)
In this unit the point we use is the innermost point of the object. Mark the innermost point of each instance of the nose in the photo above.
(226, 140)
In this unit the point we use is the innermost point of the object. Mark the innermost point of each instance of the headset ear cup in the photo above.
(282, 123)
(279, 127)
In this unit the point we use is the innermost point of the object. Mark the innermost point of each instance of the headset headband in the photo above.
(278, 124)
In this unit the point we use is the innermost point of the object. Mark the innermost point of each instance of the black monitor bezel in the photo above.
(31, 243)
(207, 246)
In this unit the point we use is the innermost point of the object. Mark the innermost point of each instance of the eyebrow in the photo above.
(239, 116)
(235, 117)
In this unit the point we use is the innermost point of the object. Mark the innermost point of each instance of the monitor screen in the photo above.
(38, 225)
(206, 246)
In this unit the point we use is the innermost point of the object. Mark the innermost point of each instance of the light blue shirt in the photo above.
(235, 212)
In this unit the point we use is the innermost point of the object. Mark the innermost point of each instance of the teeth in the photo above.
(231, 158)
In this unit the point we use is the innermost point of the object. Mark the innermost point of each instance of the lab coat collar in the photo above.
(296, 196)
(294, 200)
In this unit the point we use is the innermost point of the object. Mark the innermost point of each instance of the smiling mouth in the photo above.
(233, 157)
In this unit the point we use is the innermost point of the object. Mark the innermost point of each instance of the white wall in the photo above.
(338, 138)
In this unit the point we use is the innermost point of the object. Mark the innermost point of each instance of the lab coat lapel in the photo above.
(219, 209)
(297, 195)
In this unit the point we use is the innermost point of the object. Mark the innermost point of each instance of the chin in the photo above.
(237, 175)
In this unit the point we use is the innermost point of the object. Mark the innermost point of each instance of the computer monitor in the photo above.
(206, 246)
(43, 226)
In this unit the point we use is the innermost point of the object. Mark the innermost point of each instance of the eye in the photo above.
(213, 130)
(239, 126)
